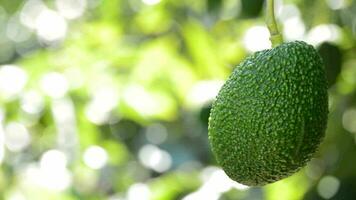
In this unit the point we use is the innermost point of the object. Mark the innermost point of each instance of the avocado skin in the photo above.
(271, 114)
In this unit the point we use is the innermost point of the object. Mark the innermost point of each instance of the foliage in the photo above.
(109, 99)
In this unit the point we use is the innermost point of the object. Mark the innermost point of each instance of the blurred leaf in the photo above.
(203, 51)
(332, 58)
(251, 8)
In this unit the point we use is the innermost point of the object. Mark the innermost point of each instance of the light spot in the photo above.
(71, 9)
(16, 31)
(151, 2)
(16, 195)
(52, 173)
(324, 33)
(155, 158)
(116, 197)
(204, 92)
(95, 114)
(138, 191)
(12, 80)
(328, 187)
(65, 120)
(16, 136)
(315, 169)
(256, 38)
(156, 133)
(294, 29)
(50, 26)
(288, 11)
(32, 102)
(53, 160)
(95, 157)
(215, 183)
(54, 85)
(336, 4)
(2, 136)
(103, 101)
(141, 100)
(30, 12)
(349, 120)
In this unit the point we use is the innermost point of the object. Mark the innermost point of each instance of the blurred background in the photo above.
(110, 99)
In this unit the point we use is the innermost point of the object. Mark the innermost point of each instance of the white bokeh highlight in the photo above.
(324, 33)
(203, 92)
(155, 158)
(50, 173)
(103, 101)
(349, 120)
(138, 191)
(50, 26)
(30, 13)
(95, 157)
(71, 9)
(151, 2)
(336, 4)
(328, 187)
(54, 84)
(215, 183)
(17, 136)
(32, 102)
(256, 38)
(156, 133)
(12, 80)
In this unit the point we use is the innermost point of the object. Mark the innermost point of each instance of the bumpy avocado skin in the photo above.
(271, 114)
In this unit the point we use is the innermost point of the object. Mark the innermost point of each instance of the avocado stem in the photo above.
(276, 37)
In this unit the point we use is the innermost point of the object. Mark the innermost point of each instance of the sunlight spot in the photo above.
(349, 120)
(153, 157)
(32, 102)
(141, 100)
(54, 85)
(151, 2)
(204, 92)
(156, 133)
(336, 4)
(50, 26)
(53, 173)
(17, 137)
(315, 169)
(294, 29)
(215, 183)
(2, 136)
(95, 157)
(30, 12)
(64, 116)
(324, 33)
(71, 9)
(288, 11)
(116, 197)
(53, 160)
(16, 195)
(12, 80)
(256, 38)
(138, 191)
(16, 31)
(103, 101)
(328, 187)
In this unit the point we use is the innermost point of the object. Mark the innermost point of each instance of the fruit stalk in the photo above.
(276, 37)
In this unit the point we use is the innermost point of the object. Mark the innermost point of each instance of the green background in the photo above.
(110, 99)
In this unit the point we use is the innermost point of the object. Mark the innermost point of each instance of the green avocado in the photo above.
(271, 114)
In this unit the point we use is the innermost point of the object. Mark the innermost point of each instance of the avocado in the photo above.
(270, 115)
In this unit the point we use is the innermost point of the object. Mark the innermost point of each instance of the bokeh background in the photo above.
(110, 99)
